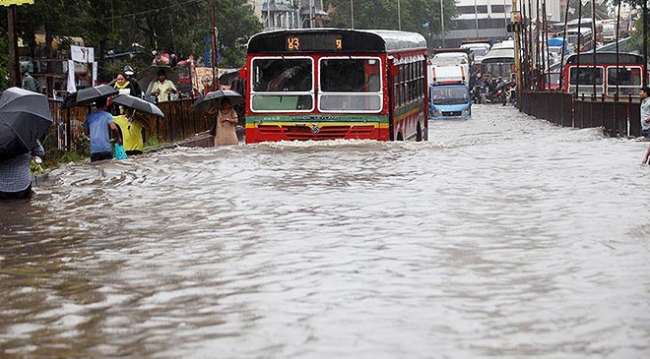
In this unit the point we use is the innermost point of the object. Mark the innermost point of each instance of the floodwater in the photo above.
(503, 237)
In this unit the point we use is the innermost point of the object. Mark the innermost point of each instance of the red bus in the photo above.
(610, 74)
(322, 84)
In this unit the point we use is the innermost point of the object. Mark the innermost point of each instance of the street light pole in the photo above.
(476, 14)
(645, 42)
(399, 16)
(442, 22)
(14, 63)
(213, 35)
(505, 18)
(352, 12)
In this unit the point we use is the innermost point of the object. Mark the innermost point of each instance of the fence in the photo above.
(618, 118)
(181, 124)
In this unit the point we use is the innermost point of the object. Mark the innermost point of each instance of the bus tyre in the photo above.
(400, 137)
(418, 136)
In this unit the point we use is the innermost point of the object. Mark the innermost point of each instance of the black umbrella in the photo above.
(228, 77)
(149, 75)
(88, 95)
(204, 103)
(138, 104)
(24, 117)
(502, 85)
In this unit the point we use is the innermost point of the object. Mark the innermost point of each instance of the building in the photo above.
(290, 14)
(488, 19)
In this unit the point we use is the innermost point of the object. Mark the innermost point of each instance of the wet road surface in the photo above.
(503, 236)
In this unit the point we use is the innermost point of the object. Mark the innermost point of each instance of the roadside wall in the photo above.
(618, 118)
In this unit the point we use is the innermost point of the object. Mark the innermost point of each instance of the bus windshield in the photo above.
(450, 95)
(282, 84)
(350, 84)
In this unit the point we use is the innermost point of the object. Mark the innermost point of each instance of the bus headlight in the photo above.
(437, 113)
(467, 112)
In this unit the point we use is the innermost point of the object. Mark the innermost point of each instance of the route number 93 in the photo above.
(293, 43)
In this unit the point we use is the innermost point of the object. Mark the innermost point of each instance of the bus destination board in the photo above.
(314, 42)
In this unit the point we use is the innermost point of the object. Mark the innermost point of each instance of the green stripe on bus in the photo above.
(408, 108)
(316, 118)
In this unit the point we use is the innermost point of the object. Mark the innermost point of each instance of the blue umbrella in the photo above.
(24, 117)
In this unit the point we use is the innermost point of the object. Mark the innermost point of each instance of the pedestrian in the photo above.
(645, 116)
(29, 83)
(645, 111)
(163, 88)
(15, 174)
(124, 86)
(131, 130)
(226, 121)
(96, 126)
(129, 73)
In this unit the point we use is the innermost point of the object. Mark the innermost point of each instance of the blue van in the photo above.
(449, 101)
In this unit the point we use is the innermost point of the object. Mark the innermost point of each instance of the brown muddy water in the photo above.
(502, 237)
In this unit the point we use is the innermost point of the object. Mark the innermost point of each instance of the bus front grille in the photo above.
(306, 133)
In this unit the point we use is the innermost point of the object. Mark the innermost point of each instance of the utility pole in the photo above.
(476, 12)
(213, 34)
(399, 16)
(352, 12)
(14, 64)
(442, 23)
(645, 42)
(516, 22)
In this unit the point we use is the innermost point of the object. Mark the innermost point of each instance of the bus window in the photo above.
(282, 84)
(344, 85)
(586, 76)
(627, 79)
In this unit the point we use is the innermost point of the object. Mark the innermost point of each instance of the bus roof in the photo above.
(504, 54)
(465, 51)
(335, 40)
(605, 58)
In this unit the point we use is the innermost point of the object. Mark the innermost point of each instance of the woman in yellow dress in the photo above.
(226, 121)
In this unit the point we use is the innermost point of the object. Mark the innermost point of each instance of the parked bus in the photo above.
(320, 84)
(603, 72)
(500, 61)
(584, 35)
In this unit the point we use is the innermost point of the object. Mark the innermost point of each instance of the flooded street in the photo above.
(503, 236)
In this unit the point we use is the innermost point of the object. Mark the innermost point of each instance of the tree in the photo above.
(180, 26)
(422, 16)
(4, 61)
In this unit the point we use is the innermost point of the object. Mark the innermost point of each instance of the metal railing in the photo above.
(180, 125)
(618, 117)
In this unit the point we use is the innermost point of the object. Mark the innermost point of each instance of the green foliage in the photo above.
(420, 16)
(636, 39)
(162, 25)
(4, 62)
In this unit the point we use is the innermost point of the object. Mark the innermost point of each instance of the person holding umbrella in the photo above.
(16, 176)
(220, 103)
(24, 118)
(96, 126)
(226, 121)
(131, 132)
(130, 127)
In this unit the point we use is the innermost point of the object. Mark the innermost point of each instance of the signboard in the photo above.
(16, 2)
(82, 54)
